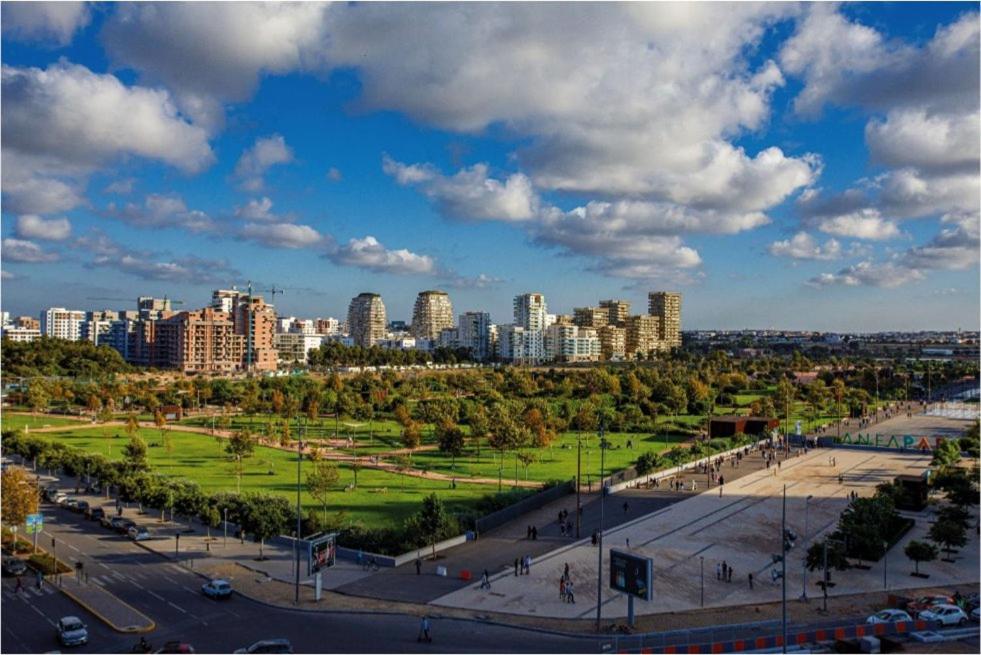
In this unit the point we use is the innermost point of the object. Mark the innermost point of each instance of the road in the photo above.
(171, 596)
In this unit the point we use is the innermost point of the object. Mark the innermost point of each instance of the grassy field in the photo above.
(19, 421)
(380, 499)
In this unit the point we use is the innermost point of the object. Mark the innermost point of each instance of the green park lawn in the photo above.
(380, 499)
(15, 422)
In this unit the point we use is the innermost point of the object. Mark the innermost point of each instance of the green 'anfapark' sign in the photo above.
(894, 441)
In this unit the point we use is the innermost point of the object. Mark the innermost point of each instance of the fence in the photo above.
(511, 512)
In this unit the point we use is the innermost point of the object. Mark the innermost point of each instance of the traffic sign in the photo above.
(33, 519)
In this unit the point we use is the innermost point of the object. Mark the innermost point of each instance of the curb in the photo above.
(131, 629)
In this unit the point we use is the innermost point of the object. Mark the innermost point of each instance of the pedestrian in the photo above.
(568, 528)
(562, 529)
(628, 543)
(626, 507)
(40, 578)
(485, 580)
(424, 631)
(725, 570)
(527, 564)
(718, 571)
(750, 581)
(729, 579)
(565, 573)
(360, 558)
(570, 592)
(19, 586)
(534, 533)
(515, 567)
(562, 589)
(594, 537)
(529, 532)
(418, 566)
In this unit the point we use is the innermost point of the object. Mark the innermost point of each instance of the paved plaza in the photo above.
(742, 528)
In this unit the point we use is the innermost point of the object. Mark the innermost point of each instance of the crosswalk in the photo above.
(29, 592)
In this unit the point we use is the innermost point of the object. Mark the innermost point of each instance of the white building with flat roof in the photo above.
(61, 323)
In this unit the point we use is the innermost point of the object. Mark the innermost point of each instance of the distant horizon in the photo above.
(808, 164)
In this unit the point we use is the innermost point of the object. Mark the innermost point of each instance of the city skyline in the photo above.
(792, 167)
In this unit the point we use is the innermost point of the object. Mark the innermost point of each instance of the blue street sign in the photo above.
(35, 519)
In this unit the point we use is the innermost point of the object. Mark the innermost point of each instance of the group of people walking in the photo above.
(567, 590)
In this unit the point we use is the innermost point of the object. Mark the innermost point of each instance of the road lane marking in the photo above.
(169, 579)
(189, 590)
(72, 546)
(155, 595)
(177, 607)
(104, 566)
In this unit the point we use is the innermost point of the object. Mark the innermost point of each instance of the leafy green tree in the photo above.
(37, 396)
(449, 436)
(479, 427)
(264, 517)
(837, 556)
(321, 481)
(433, 521)
(646, 462)
(240, 447)
(135, 453)
(132, 425)
(920, 551)
(947, 454)
(20, 496)
(866, 522)
(948, 535)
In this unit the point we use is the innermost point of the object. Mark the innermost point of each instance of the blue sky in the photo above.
(788, 166)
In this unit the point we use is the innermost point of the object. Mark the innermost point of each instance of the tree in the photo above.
(20, 496)
(955, 514)
(479, 427)
(265, 517)
(947, 454)
(837, 556)
(132, 425)
(135, 453)
(37, 395)
(321, 481)
(920, 551)
(450, 439)
(432, 520)
(412, 435)
(866, 522)
(241, 446)
(949, 535)
(526, 459)
(646, 463)
(160, 421)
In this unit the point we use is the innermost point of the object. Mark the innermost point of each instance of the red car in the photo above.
(914, 607)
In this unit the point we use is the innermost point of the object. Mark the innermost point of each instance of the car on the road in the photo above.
(138, 533)
(268, 646)
(889, 616)
(175, 647)
(95, 513)
(81, 506)
(58, 497)
(50, 492)
(14, 566)
(217, 588)
(120, 524)
(976, 614)
(68, 502)
(71, 631)
(946, 614)
(926, 602)
(106, 521)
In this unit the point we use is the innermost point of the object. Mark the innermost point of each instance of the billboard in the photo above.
(323, 552)
(631, 574)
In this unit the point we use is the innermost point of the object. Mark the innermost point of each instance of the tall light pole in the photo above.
(599, 565)
(807, 502)
(701, 573)
(299, 525)
(578, 483)
(783, 564)
(885, 565)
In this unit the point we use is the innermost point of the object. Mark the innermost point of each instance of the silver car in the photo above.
(72, 632)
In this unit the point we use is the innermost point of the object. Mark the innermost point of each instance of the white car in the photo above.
(72, 632)
(946, 614)
(138, 533)
(889, 616)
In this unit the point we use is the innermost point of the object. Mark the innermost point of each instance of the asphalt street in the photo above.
(171, 596)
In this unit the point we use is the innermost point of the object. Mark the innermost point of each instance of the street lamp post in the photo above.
(783, 564)
(225, 512)
(578, 483)
(701, 573)
(599, 566)
(807, 502)
(885, 565)
(299, 527)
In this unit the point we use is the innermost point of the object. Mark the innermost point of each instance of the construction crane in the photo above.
(165, 298)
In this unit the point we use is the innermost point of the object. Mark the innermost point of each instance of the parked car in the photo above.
(106, 521)
(68, 502)
(946, 614)
(95, 513)
(138, 533)
(51, 492)
(81, 506)
(71, 631)
(217, 588)
(121, 525)
(59, 497)
(926, 602)
(14, 566)
(175, 647)
(889, 616)
(268, 646)
(976, 614)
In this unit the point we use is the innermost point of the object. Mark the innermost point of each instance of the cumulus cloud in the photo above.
(282, 235)
(213, 52)
(121, 187)
(24, 194)
(863, 224)
(19, 250)
(257, 209)
(51, 22)
(30, 226)
(369, 253)
(803, 246)
(481, 281)
(470, 194)
(254, 162)
(886, 275)
(927, 142)
(956, 247)
(162, 210)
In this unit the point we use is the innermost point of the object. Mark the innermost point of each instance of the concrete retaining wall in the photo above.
(511, 512)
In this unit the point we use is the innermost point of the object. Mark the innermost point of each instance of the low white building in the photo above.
(570, 343)
(62, 323)
(22, 334)
(521, 346)
(295, 347)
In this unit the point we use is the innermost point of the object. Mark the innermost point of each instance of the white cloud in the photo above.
(121, 187)
(914, 138)
(370, 254)
(255, 161)
(18, 250)
(955, 248)
(257, 209)
(54, 22)
(863, 224)
(31, 226)
(162, 210)
(69, 119)
(24, 194)
(282, 235)
(886, 275)
(186, 270)
(481, 281)
(469, 194)
(215, 52)
(803, 246)
(908, 193)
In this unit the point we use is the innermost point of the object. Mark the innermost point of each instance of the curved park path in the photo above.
(373, 462)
